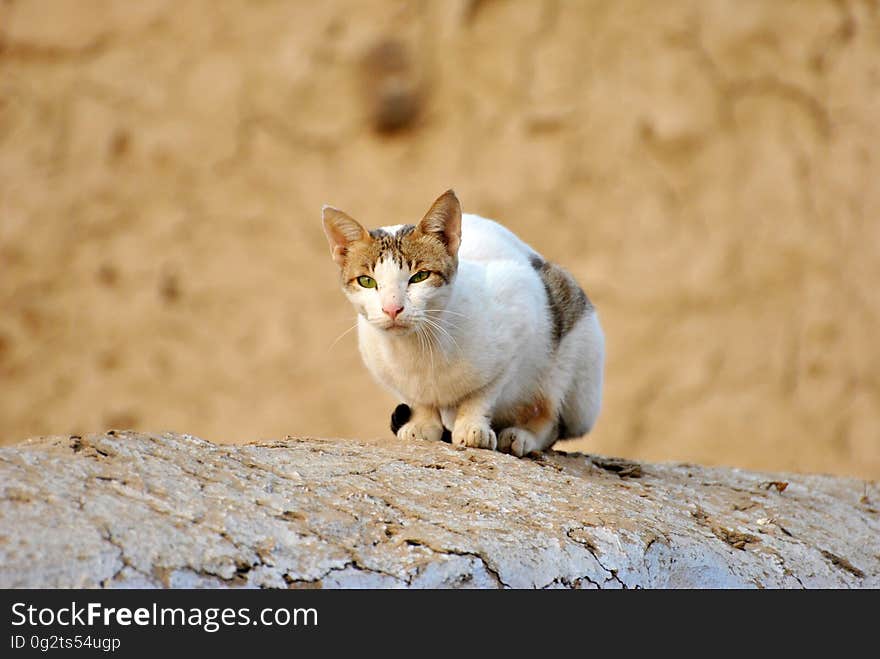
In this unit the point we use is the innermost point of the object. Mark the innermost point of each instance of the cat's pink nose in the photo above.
(392, 310)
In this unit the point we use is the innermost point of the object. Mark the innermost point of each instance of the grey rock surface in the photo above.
(129, 509)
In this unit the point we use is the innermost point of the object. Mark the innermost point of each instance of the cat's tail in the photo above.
(401, 416)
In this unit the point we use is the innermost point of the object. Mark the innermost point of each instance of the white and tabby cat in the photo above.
(472, 328)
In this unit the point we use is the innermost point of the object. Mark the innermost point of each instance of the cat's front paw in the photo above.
(517, 441)
(424, 430)
(476, 434)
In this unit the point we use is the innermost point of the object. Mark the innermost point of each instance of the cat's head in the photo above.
(398, 277)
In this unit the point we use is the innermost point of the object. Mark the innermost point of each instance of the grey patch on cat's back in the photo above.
(565, 298)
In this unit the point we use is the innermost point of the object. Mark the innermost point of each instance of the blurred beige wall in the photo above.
(710, 170)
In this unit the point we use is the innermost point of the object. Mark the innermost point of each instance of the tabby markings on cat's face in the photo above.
(398, 277)
(408, 275)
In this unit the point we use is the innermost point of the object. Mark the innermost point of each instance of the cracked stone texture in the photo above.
(139, 510)
(707, 168)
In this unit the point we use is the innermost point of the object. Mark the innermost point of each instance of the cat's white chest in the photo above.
(430, 371)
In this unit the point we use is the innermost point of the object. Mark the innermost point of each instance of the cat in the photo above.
(472, 329)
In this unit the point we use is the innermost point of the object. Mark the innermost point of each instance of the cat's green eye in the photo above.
(419, 276)
(366, 281)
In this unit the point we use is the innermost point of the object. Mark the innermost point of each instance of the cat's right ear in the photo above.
(341, 231)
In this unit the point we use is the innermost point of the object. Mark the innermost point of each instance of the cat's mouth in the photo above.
(396, 326)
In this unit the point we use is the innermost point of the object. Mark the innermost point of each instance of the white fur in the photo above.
(494, 352)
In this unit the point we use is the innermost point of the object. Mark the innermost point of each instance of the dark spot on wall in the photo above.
(169, 288)
(107, 275)
(108, 360)
(391, 86)
(120, 145)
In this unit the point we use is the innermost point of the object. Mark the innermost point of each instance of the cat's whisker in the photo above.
(455, 328)
(442, 311)
(440, 349)
(431, 323)
(339, 338)
(442, 320)
(440, 316)
(428, 338)
(423, 342)
(434, 324)
(436, 340)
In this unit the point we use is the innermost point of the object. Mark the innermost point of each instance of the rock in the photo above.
(126, 509)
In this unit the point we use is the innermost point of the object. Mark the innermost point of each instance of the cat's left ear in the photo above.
(341, 231)
(443, 221)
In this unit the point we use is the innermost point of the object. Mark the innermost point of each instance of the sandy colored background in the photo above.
(710, 170)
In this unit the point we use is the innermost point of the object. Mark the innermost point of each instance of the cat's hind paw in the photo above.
(517, 441)
(425, 430)
(475, 435)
